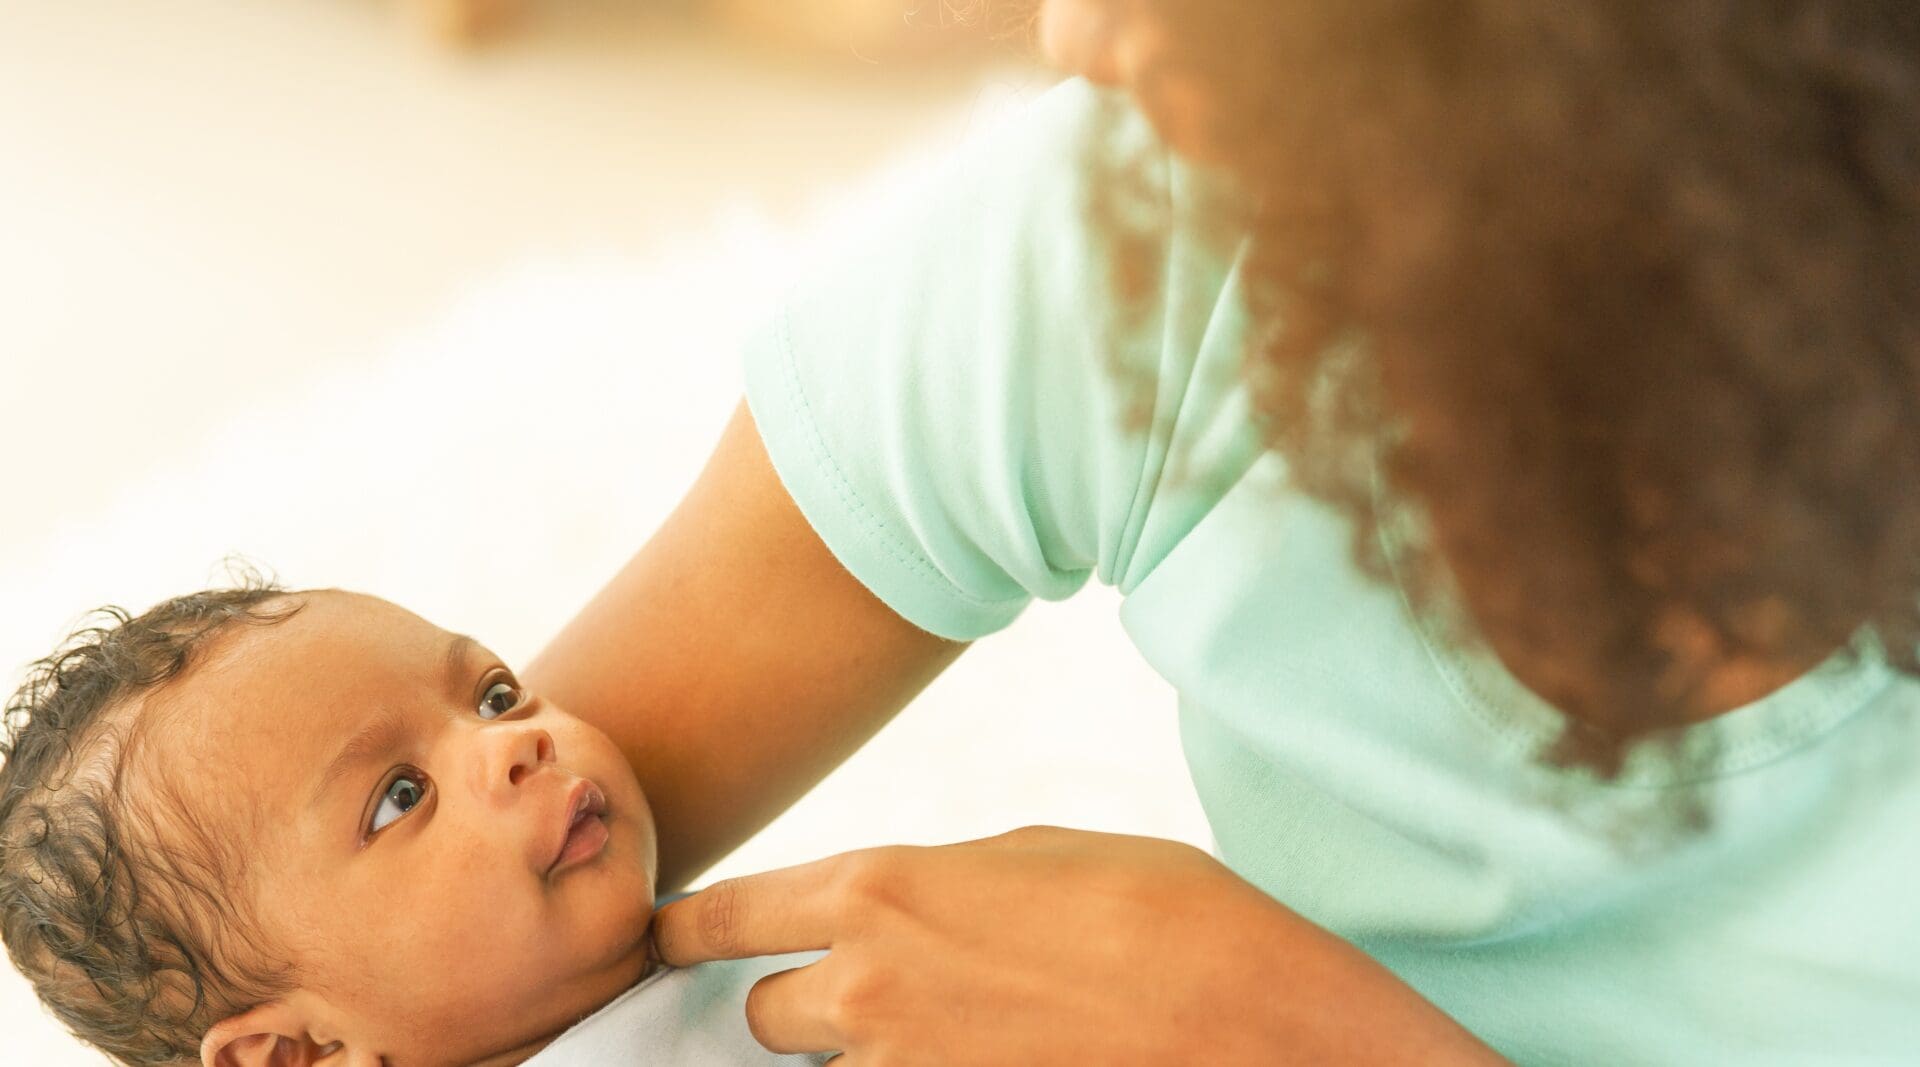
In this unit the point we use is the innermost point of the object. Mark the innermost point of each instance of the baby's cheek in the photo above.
(392, 919)
(475, 899)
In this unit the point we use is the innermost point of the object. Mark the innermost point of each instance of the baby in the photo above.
(260, 827)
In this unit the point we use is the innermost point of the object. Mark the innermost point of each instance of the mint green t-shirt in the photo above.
(971, 417)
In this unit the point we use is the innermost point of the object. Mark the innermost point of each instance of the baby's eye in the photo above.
(500, 698)
(402, 795)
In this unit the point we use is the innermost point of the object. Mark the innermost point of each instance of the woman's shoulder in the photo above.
(974, 401)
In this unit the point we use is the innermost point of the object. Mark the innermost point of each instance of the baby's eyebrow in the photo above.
(389, 728)
(382, 734)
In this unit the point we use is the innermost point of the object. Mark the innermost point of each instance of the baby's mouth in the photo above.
(582, 834)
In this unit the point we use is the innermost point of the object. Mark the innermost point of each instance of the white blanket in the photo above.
(677, 1017)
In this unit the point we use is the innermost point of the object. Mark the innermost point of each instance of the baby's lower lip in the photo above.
(585, 840)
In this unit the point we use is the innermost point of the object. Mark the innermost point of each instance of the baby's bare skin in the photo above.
(411, 891)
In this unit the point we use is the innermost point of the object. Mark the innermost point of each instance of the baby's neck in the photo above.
(520, 1054)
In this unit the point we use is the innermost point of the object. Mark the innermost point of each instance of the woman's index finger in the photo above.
(767, 914)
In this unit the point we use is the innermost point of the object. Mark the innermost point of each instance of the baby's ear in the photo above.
(270, 1035)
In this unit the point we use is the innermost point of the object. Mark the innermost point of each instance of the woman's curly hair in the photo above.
(1615, 300)
(125, 917)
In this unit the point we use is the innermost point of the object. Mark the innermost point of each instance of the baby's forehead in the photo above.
(262, 701)
(335, 640)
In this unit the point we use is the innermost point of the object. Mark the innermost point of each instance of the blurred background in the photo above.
(440, 300)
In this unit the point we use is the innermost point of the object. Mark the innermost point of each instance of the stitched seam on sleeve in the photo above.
(876, 530)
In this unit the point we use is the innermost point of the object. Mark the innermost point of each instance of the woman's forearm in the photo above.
(733, 660)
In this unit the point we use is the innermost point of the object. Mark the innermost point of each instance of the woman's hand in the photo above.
(1047, 946)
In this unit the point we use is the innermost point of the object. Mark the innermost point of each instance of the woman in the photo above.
(1501, 419)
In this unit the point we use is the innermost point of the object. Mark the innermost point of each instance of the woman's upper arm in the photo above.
(937, 432)
(734, 660)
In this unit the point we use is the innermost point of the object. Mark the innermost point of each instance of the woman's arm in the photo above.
(734, 660)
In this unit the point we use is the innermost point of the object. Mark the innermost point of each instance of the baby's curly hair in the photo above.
(1611, 304)
(129, 921)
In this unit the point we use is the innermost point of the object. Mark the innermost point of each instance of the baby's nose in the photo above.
(514, 752)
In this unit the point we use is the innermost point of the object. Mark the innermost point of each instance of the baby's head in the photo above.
(262, 827)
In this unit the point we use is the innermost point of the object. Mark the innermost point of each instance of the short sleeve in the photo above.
(982, 401)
